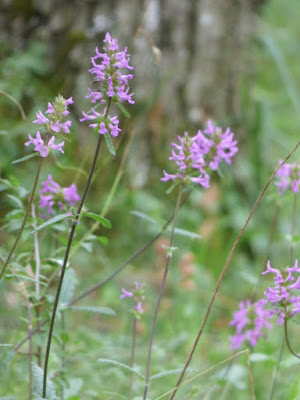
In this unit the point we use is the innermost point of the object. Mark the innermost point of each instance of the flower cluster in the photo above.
(112, 85)
(197, 155)
(282, 296)
(52, 195)
(137, 294)
(251, 322)
(53, 124)
(288, 177)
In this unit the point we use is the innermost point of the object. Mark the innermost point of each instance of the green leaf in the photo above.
(102, 239)
(171, 372)
(51, 221)
(109, 143)
(118, 364)
(105, 222)
(183, 232)
(31, 155)
(144, 216)
(5, 345)
(123, 109)
(294, 390)
(16, 200)
(26, 278)
(37, 388)
(98, 310)
(68, 287)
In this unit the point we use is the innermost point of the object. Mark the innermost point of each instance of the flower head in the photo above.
(251, 322)
(288, 177)
(102, 124)
(53, 196)
(108, 70)
(53, 124)
(284, 296)
(195, 156)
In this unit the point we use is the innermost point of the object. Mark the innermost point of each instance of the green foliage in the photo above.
(37, 389)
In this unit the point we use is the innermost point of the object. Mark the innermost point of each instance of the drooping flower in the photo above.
(54, 124)
(251, 322)
(196, 156)
(137, 293)
(284, 296)
(53, 196)
(108, 74)
(288, 177)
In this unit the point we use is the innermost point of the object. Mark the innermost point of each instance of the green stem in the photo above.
(61, 278)
(293, 227)
(132, 354)
(162, 288)
(277, 370)
(224, 270)
(28, 210)
(288, 341)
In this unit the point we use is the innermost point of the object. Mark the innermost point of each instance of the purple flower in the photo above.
(281, 296)
(54, 123)
(102, 124)
(196, 155)
(251, 322)
(107, 72)
(288, 177)
(52, 195)
(137, 294)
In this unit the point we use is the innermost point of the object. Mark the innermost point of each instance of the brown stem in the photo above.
(25, 218)
(224, 271)
(162, 288)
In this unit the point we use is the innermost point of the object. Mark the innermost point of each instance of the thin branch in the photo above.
(16, 103)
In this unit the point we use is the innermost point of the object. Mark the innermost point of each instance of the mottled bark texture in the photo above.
(189, 56)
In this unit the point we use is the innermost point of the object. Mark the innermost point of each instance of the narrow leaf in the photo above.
(98, 310)
(5, 345)
(31, 155)
(170, 372)
(68, 286)
(26, 278)
(144, 216)
(51, 221)
(118, 364)
(105, 222)
(184, 232)
(109, 143)
(123, 109)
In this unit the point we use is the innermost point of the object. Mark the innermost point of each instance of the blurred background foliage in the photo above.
(266, 121)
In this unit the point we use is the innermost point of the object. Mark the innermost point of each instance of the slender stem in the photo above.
(61, 278)
(37, 278)
(226, 265)
(63, 350)
(288, 341)
(28, 306)
(277, 369)
(162, 288)
(132, 358)
(293, 227)
(267, 250)
(25, 218)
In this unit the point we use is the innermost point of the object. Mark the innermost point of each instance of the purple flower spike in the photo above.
(53, 124)
(138, 296)
(106, 69)
(251, 322)
(282, 295)
(288, 177)
(53, 196)
(196, 155)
